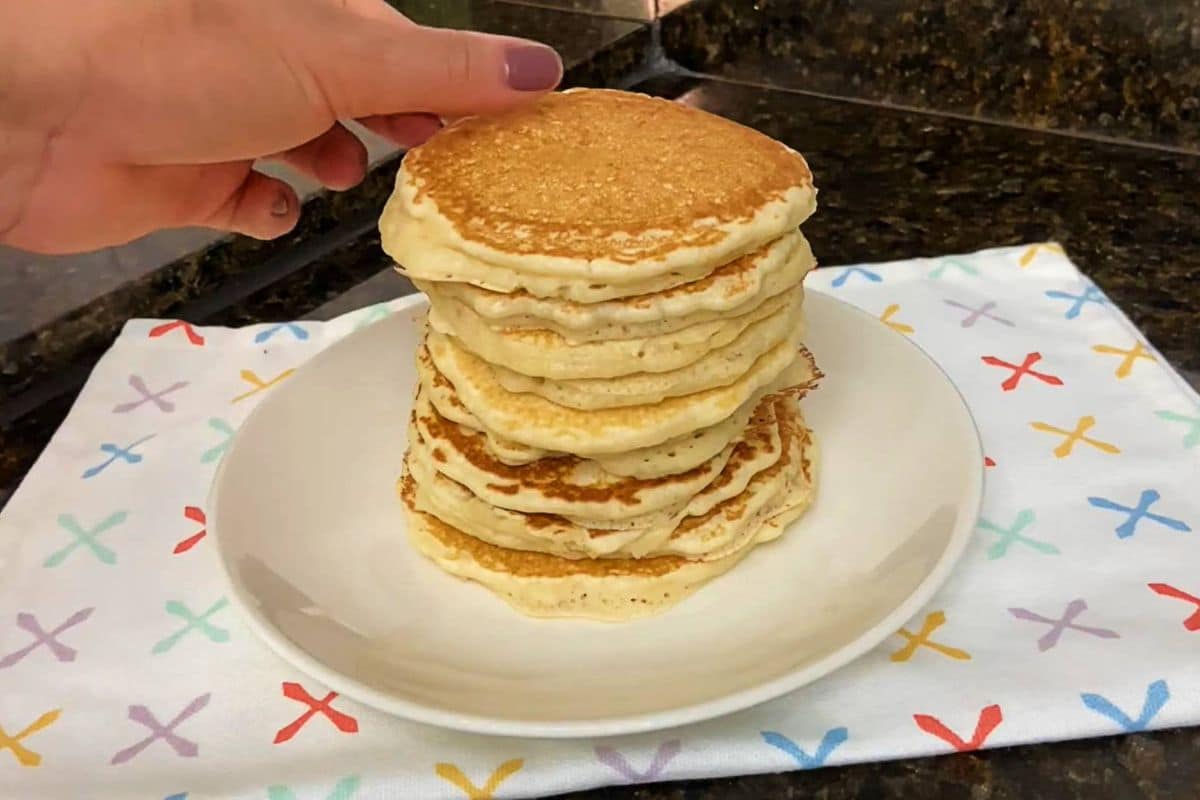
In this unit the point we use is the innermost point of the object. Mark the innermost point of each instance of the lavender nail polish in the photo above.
(532, 68)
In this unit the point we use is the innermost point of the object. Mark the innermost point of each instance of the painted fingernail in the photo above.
(281, 206)
(532, 68)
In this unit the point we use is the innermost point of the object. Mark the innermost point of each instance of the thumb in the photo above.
(136, 200)
(366, 69)
(260, 206)
(231, 196)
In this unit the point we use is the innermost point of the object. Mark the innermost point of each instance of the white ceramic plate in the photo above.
(312, 539)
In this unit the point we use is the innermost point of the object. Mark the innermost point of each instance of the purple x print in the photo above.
(182, 747)
(41, 637)
(147, 396)
(1062, 624)
(976, 314)
(616, 761)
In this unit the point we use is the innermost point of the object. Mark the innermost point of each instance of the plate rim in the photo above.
(283, 647)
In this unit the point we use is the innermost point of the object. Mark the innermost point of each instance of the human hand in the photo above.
(120, 117)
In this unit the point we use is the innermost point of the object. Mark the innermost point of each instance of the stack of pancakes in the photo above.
(607, 414)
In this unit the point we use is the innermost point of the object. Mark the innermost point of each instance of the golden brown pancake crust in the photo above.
(528, 563)
(571, 173)
(548, 476)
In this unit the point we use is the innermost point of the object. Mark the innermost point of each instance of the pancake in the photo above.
(677, 454)
(537, 422)
(784, 489)
(706, 523)
(565, 485)
(592, 187)
(672, 456)
(756, 448)
(425, 261)
(720, 367)
(731, 290)
(612, 589)
(546, 354)
(539, 585)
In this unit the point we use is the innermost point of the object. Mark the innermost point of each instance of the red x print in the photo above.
(989, 718)
(343, 722)
(189, 331)
(197, 516)
(1021, 371)
(1192, 623)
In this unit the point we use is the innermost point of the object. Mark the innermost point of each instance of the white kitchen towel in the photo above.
(125, 672)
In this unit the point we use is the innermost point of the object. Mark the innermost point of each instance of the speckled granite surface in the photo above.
(54, 310)
(627, 9)
(1124, 69)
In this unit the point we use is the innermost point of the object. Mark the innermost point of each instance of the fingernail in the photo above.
(532, 68)
(281, 206)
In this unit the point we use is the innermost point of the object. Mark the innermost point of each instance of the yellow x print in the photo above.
(1128, 356)
(886, 319)
(932, 622)
(451, 773)
(1029, 255)
(251, 377)
(25, 756)
(1084, 425)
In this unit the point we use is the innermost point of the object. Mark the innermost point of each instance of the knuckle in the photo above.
(458, 61)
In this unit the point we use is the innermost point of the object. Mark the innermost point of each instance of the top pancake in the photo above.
(596, 185)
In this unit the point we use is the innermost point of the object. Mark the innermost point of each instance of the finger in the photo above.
(260, 207)
(336, 159)
(406, 130)
(366, 69)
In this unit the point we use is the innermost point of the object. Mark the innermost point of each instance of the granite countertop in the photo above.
(895, 183)
(1120, 70)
